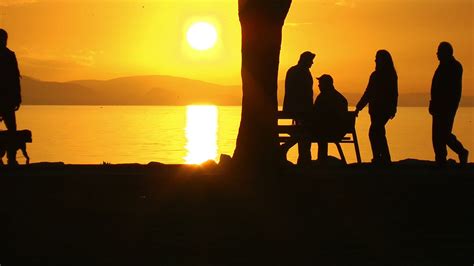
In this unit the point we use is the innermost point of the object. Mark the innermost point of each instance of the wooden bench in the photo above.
(290, 134)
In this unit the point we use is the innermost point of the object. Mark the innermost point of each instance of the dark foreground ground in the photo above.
(411, 213)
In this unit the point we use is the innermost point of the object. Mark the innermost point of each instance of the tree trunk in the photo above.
(261, 23)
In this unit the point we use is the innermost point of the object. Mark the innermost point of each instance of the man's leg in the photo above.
(304, 147)
(376, 130)
(384, 150)
(322, 151)
(440, 133)
(304, 152)
(10, 122)
(454, 144)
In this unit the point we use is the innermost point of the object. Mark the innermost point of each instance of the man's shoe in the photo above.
(463, 157)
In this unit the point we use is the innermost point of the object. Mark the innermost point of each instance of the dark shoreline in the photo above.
(411, 213)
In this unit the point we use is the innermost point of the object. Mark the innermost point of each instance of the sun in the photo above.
(201, 36)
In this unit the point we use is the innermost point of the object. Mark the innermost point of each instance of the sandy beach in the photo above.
(411, 213)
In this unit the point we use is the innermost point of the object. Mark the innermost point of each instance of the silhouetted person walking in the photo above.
(446, 89)
(10, 97)
(382, 96)
(299, 98)
(329, 111)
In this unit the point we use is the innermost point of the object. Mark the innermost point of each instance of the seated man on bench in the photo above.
(329, 115)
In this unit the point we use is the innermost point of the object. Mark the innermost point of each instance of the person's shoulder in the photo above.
(457, 64)
(342, 97)
(8, 52)
(293, 68)
(318, 100)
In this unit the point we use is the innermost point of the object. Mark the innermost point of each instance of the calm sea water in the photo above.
(192, 134)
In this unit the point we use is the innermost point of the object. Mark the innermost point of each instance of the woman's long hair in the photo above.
(384, 63)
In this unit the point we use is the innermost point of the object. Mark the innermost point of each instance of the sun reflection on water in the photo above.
(201, 133)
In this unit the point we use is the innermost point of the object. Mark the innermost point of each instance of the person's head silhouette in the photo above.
(384, 61)
(3, 38)
(326, 83)
(306, 59)
(445, 51)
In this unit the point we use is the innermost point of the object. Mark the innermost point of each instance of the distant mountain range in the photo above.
(160, 90)
(137, 90)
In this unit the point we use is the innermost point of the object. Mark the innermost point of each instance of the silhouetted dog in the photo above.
(15, 141)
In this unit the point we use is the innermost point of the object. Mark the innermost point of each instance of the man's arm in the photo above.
(457, 83)
(364, 100)
(394, 102)
(289, 84)
(17, 84)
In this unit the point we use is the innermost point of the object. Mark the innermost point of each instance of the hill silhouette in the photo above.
(136, 90)
(161, 90)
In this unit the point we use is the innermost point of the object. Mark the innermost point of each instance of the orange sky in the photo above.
(101, 39)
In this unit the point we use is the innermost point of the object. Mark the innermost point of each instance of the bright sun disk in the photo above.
(202, 36)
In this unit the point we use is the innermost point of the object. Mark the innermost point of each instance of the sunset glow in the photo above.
(72, 40)
(201, 133)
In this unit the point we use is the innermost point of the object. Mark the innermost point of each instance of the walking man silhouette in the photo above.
(299, 99)
(10, 96)
(446, 89)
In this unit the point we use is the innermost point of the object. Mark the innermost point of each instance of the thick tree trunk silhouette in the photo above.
(261, 23)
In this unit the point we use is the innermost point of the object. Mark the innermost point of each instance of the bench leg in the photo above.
(341, 153)
(356, 146)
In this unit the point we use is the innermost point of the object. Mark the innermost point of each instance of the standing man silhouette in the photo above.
(382, 97)
(446, 89)
(299, 99)
(10, 96)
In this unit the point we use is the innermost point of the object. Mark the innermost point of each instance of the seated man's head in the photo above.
(326, 83)
(3, 38)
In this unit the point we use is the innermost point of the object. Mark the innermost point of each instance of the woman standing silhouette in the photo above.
(382, 96)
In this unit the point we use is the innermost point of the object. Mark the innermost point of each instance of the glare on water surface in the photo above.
(201, 133)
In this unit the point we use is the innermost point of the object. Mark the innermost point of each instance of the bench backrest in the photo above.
(349, 120)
